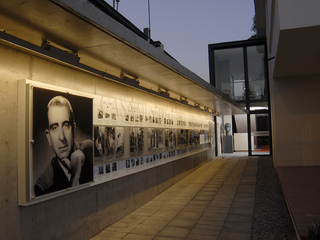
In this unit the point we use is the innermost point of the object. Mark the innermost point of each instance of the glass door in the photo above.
(260, 137)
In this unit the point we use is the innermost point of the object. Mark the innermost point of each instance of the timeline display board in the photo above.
(69, 140)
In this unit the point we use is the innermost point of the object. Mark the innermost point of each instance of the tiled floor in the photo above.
(214, 202)
(301, 187)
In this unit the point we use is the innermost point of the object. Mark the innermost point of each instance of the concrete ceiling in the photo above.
(104, 44)
(297, 52)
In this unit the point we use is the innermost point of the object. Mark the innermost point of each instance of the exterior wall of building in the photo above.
(294, 98)
(298, 14)
(273, 31)
(81, 214)
(296, 117)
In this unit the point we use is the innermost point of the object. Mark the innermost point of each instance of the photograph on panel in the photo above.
(204, 136)
(100, 170)
(167, 132)
(110, 142)
(114, 167)
(107, 167)
(141, 160)
(107, 109)
(62, 135)
(135, 113)
(104, 143)
(155, 139)
(194, 137)
(169, 138)
(100, 114)
(102, 108)
(160, 138)
(128, 163)
(135, 140)
(182, 138)
(152, 140)
(119, 144)
(174, 138)
(141, 113)
(140, 137)
(99, 143)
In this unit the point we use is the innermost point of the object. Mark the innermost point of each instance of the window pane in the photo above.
(229, 72)
(257, 78)
(260, 137)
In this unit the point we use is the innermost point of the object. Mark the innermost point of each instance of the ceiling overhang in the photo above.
(103, 45)
(297, 52)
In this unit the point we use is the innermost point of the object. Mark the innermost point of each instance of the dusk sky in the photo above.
(187, 27)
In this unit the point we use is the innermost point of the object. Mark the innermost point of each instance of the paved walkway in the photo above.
(214, 202)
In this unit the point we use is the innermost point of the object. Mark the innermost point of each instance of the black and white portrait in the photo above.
(136, 141)
(108, 168)
(127, 163)
(119, 144)
(63, 146)
(99, 142)
(183, 138)
(169, 138)
(108, 143)
(114, 167)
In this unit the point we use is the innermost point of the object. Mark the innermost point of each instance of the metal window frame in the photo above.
(244, 44)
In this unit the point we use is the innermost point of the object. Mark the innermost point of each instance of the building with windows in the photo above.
(275, 77)
(143, 120)
(292, 32)
(239, 70)
(84, 89)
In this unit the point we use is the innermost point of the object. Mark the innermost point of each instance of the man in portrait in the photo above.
(72, 163)
(227, 127)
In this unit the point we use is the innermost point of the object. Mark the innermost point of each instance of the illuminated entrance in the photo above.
(239, 69)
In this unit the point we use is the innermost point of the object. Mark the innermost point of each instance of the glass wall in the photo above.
(229, 74)
(260, 136)
(257, 77)
(239, 69)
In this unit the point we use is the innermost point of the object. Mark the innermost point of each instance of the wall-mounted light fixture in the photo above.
(163, 92)
(66, 55)
(124, 75)
(4, 30)
(129, 79)
(183, 100)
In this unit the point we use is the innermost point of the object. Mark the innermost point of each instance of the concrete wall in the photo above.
(295, 111)
(298, 14)
(81, 214)
(296, 118)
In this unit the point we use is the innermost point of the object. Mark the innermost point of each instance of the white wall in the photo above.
(298, 14)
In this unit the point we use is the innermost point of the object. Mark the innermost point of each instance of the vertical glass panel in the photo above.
(260, 138)
(220, 132)
(240, 133)
(229, 72)
(257, 78)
